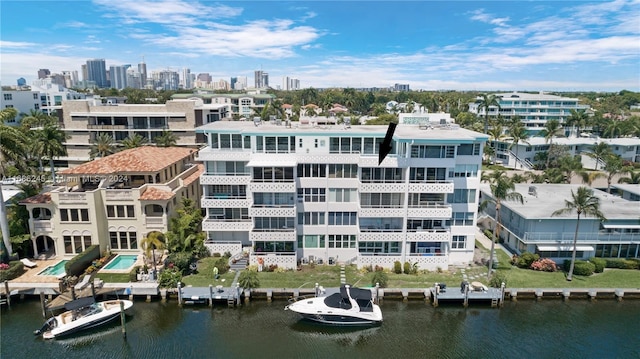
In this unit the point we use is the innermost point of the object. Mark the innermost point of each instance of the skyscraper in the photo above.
(97, 72)
(119, 76)
(290, 84)
(233, 83)
(261, 79)
(43, 73)
(142, 69)
(185, 79)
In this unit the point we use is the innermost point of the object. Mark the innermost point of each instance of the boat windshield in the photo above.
(336, 300)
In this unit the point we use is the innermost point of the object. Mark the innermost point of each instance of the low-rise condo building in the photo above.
(531, 227)
(113, 201)
(237, 104)
(294, 193)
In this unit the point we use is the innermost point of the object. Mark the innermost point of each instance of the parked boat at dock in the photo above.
(81, 314)
(349, 306)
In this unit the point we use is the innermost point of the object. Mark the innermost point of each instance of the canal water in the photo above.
(523, 329)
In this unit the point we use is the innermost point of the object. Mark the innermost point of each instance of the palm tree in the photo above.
(583, 202)
(134, 141)
(37, 118)
(50, 144)
(502, 189)
(599, 151)
(103, 146)
(153, 241)
(634, 177)
(496, 133)
(166, 139)
(310, 111)
(613, 166)
(13, 143)
(551, 128)
(570, 165)
(485, 103)
(577, 118)
(518, 134)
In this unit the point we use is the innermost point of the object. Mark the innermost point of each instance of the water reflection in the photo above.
(345, 336)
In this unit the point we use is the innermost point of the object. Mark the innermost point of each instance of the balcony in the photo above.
(273, 235)
(286, 260)
(382, 187)
(118, 195)
(227, 225)
(225, 178)
(381, 236)
(41, 225)
(72, 197)
(273, 211)
(431, 211)
(279, 187)
(218, 201)
(382, 212)
(429, 235)
(431, 187)
(156, 222)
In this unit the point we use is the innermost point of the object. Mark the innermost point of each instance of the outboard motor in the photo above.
(48, 325)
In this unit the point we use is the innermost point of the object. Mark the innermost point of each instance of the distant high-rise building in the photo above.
(290, 84)
(204, 77)
(233, 82)
(241, 83)
(57, 79)
(97, 72)
(85, 75)
(142, 69)
(43, 73)
(166, 80)
(185, 79)
(401, 87)
(118, 76)
(261, 79)
(133, 78)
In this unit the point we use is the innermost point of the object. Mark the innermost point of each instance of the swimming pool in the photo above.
(56, 269)
(122, 261)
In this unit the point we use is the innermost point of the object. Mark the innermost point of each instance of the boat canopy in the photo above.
(356, 293)
(79, 303)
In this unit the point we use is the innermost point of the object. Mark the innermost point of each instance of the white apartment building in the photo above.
(84, 120)
(534, 110)
(23, 101)
(114, 201)
(296, 193)
(240, 105)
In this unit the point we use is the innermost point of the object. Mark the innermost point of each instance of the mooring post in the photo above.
(502, 286)
(179, 294)
(377, 293)
(7, 293)
(316, 290)
(131, 292)
(93, 290)
(466, 295)
(434, 292)
(238, 294)
(122, 320)
(42, 303)
(211, 295)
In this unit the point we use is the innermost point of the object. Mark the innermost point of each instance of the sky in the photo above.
(431, 45)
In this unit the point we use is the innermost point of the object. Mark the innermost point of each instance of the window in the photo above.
(311, 218)
(74, 215)
(345, 144)
(424, 200)
(381, 200)
(342, 218)
(270, 199)
(464, 171)
(8, 97)
(462, 219)
(424, 151)
(312, 170)
(469, 149)
(123, 240)
(274, 224)
(343, 195)
(382, 175)
(458, 242)
(462, 196)
(76, 244)
(312, 241)
(343, 171)
(342, 241)
(121, 212)
(312, 195)
(273, 174)
(427, 174)
(228, 214)
(379, 247)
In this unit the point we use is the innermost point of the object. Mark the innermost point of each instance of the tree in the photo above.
(570, 165)
(613, 166)
(37, 118)
(582, 202)
(599, 151)
(634, 177)
(49, 143)
(502, 189)
(134, 141)
(103, 146)
(184, 234)
(248, 279)
(578, 118)
(518, 134)
(153, 241)
(13, 145)
(166, 139)
(550, 129)
(496, 134)
(486, 102)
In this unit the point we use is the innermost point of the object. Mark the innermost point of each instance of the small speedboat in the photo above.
(350, 306)
(81, 314)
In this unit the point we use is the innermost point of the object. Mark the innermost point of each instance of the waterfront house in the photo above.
(113, 201)
(530, 227)
(291, 193)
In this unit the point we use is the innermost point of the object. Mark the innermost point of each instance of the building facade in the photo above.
(530, 227)
(114, 202)
(301, 194)
(97, 73)
(85, 120)
(238, 105)
(534, 110)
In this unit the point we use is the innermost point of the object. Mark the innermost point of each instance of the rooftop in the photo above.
(565, 141)
(551, 197)
(39, 198)
(156, 194)
(136, 160)
(631, 188)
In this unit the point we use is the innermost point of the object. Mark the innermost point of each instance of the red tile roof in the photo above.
(194, 176)
(135, 160)
(156, 194)
(39, 198)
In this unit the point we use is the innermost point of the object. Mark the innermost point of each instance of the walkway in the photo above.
(486, 242)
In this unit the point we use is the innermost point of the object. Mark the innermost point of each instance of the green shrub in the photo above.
(583, 268)
(180, 260)
(77, 265)
(397, 267)
(614, 262)
(169, 278)
(222, 264)
(488, 233)
(497, 278)
(133, 274)
(217, 255)
(407, 268)
(599, 263)
(16, 268)
(526, 259)
(381, 278)
(249, 279)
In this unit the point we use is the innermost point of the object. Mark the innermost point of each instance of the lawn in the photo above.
(611, 278)
(204, 276)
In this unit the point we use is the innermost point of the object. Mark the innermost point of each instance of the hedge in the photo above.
(599, 263)
(16, 268)
(622, 263)
(583, 268)
(77, 265)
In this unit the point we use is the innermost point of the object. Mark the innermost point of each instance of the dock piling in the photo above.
(7, 293)
(43, 305)
(179, 294)
(122, 320)
(211, 295)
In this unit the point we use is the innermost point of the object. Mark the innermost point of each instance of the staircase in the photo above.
(240, 264)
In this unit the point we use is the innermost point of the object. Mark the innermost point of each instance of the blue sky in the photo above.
(431, 45)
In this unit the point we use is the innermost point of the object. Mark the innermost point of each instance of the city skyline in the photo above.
(462, 45)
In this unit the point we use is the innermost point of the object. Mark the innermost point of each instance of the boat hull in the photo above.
(339, 320)
(111, 310)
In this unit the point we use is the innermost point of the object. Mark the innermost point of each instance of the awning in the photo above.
(550, 248)
(621, 226)
(273, 162)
